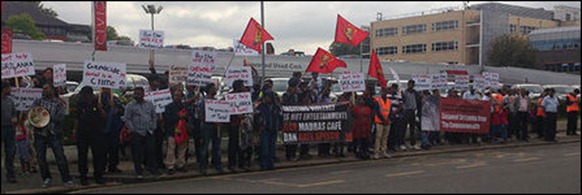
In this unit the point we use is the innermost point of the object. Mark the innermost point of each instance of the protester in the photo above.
(192, 97)
(411, 104)
(430, 118)
(23, 147)
(141, 120)
(114, 109)
(234, 150)
(87, 131)
(550, 104)
(271, 119)
(50, 135)
(522, 104)
(540, 114)
(210, 132)
(175, 119)
(323, 149)
(9, 120)
(572, 110)
(382, 124)
(509, 100)
(499, 124)
(471, 138)
(395, 116)
(159, 137)
(362, 128)
(290, 98)
(306, 99)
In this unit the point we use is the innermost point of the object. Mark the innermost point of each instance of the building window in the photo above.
(445, 25)
(385, 32)
(526, 29)
(568, 16)
(412, 29)
(444, 46)
(512, 28)
(387, 50)
(416, 48)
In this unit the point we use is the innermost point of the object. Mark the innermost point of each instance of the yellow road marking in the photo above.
(404, 173)
(321, 183)
(479, 164)
(526, 159)
(572, 154)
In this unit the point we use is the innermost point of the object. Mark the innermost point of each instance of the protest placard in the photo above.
(242, 50)
(240, 103)
(491, 79)
(24, 97)
(462, 82)
(216, 111)
(422, 82)
(104, 74)
(17, 65)
(178, 74)
(202, 58)
(314, 123)
(151, 39)
(465, 116)
(479, 82)
(352, 82)
(239, 72)
(59, 74)
(438, 81)
(159, 98)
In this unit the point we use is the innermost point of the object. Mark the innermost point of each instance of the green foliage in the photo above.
(47, 11)
(24, 24)
(338, 49)
(513, 50)
(112, 33)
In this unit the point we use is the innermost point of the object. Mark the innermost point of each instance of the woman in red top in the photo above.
(362, 125)
(499, 124)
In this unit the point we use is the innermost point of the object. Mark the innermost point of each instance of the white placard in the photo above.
(242, 50)
(59, 74)
(216, 111)
(104, 74)
(439, 81)
(241, 72)
(491, 79)
(352, 82)
(422, 81)
(240, 103)
(462, 82)
(178, 74)
(24, 97)
(479, 82)
(17, 65)
(160, 99)
(151, 39)
(204, 58)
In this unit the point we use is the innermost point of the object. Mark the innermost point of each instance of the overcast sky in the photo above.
(302, 26)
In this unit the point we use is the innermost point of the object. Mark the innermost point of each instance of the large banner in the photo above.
(241, 72)
(178, 74)
(240, 103)
(465, 116)
(104, 74)
(242, 50)
(6, 41)
(160, 99)
(314, 123)
(100, 25)
(216, 111)
(422, 81)
(59, 75)
(151, 39)
(352, 82)
(24, 97)
(17, 65)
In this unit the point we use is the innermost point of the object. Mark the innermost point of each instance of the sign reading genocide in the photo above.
(159, 98)
(352, 82)
(24, 97)
(216, 111)
(242, 72)
(465, 116)
(59, 74)
(104, 74)
(240, 103)
(422, 81)
(151, 39)
(178, 74)
(17, 65)
(314, 123)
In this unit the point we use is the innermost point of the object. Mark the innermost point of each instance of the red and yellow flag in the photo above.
(324, 62)
(346, 32)
(375, 69)
(254, 36)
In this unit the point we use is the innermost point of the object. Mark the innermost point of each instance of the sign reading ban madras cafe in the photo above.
(314, 123)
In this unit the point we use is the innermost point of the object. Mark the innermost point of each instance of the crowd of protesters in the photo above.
(379, 124)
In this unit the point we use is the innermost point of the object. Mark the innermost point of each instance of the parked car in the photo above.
(561, 90)
(280, 85)
(71, 85)
(534, 89)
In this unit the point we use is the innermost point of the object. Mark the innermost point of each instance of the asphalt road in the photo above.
(536, 169)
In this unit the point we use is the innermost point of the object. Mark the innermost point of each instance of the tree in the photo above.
(47, 11)
(513, 50)
(112, 33)
(24, 24)
(338, 49)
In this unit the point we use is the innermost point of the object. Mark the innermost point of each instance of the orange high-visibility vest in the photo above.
(574, 106)
(384, 108)
(540, 112)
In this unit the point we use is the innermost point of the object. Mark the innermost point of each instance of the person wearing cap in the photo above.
(9, 121)
(210, 132)
(270, 119)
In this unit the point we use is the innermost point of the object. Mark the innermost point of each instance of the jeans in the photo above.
(572, 122)
(8, 134)
(409, 121)
(112, 149)
(143, 147)
(98, 149)
(550, 125)
(209, 133)
(499, 129)
(40, 144)
(268, 139)
(234, 152)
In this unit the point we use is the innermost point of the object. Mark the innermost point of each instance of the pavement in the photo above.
(32, 184)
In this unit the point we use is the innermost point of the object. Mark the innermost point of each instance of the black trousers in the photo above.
(513, 120)
(539, 123)
(409, 121)
(523, 118)
(550, 126)
(290, 151)
(572, 122)
(362, 145)
(159, 141)
(235, 155)
(94, 141)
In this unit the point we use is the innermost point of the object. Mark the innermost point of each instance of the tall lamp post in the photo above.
(152, 9)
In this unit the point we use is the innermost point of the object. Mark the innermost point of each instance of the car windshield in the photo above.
(562, 90)
(533, 89)
(279, 85)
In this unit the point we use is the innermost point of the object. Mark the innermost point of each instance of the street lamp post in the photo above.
(152, 9)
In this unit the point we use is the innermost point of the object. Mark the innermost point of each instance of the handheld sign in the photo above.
(151, 39)
(240, 103)
(462, 82)
(422, 81)
(178, 74)
(216, 111)
(17, 65)
(352, 82)
(104, 74)
(241, 72)
(160, 99)
(59, 75)
(24, 97)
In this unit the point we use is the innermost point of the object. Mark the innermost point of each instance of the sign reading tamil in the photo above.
(17, 65)
(151, 39)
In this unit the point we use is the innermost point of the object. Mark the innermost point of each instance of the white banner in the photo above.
(216, 111)
(24, 97)
(160, 98)
(59, 74)
(422, 82)
(204, 58)
(151, 39)
(240, 103)
(479, 82)
(439, 81)
(178, 74)
(352, 82)
(242, 50)
(17, 65)
(104, 74)
(491, 79)
(242, 72)
(462, 82)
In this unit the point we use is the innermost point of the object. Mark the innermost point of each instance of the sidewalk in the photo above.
(32, 183)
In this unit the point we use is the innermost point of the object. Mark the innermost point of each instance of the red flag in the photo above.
(100, 25)
(324, 62)
(6, 41)
(375, 69)
(346, 32)
(254, 36)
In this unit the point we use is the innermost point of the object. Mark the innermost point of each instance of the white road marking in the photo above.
(405, 173)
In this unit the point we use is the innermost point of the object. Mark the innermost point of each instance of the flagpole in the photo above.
(263, 45)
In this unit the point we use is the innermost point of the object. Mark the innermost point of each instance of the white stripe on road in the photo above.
(572, 154)
(404, 173)
(526, 159)
(479, 164)
(321, 183)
